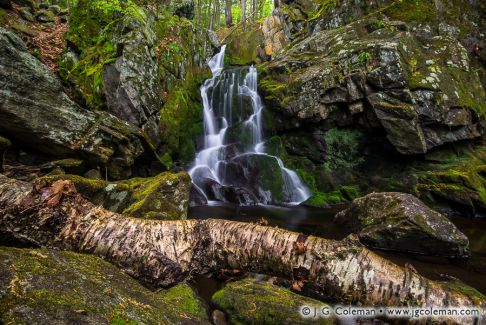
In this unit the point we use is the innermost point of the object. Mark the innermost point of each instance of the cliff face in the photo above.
(368, 96)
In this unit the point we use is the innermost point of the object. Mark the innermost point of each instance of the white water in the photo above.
(219, 116)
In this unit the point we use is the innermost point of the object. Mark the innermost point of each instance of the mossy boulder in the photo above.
(245, 47)
(401, 222)
(45, 16)
(255, 302)
(165, 196)
(46, 286)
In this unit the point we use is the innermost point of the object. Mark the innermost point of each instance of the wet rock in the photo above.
(26, 14)
(4, 145)
(93, 174)
(401, 222)
(254, 302)
(43, 286)
(45, 16)
(56, 10)
(218, 317)
(184, 8)
(69, 166)
(39, 115)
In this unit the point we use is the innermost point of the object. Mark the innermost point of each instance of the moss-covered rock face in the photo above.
(245, 47)
(254, 302)
(165, 196)
(129, 60)
(454, 177)
(44, 286)
(398, 221)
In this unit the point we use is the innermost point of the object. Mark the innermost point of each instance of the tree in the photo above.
(228, 13)
(243, 13)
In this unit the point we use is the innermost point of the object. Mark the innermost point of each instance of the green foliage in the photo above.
(342, 148)
(364, 57)
(379, 23)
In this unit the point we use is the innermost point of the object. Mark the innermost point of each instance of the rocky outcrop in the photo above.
(401, 222)
(416, 89)
(255, 302)
(35, 112)
(163, 197)
(125, 82)
(40, 286)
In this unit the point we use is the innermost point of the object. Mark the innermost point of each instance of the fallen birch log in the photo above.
(161, 253)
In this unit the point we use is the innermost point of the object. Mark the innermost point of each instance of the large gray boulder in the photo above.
(401, 222)
(35, 112)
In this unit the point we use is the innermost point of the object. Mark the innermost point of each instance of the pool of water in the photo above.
(319, 222)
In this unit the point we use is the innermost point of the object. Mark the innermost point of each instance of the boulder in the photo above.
(401, 222)
(254, 302)
(40, 286)
(165, 196)
(45, 16)
(35, 112)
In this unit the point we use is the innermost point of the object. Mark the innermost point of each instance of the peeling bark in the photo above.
(161, 253)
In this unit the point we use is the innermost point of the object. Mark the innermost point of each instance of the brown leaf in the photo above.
(299, 248)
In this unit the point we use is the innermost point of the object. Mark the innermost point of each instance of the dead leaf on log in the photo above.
(299, 278)
(58, 189)
(299, 245)
(262, 222)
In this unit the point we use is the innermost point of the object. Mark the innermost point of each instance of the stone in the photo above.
(4, 146)
(415, 87)
(56, 10)
(44, 16)
(39, 115)
(254, 302)
(93, 174)
(69, 166)
(401, 222)
(164, 197)
(41, 286)
(25, 13)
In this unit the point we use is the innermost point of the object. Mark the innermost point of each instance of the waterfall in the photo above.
(233, 166)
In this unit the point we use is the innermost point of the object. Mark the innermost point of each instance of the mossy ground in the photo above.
(44, 286)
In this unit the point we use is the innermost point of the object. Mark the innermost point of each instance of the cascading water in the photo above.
(233, 165)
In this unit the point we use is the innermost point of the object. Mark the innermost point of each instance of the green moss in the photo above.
(242, 46)
(325, 6)
(152, 198)
(253, 302)
(421, 11)
(181, 117)
(4, 144)
(185, 299)
(463, 288)
(45, 286)
(342, 148)
(91, 31)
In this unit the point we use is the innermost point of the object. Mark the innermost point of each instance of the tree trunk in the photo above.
(243, 14)
(161, 253)
(228, 13)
